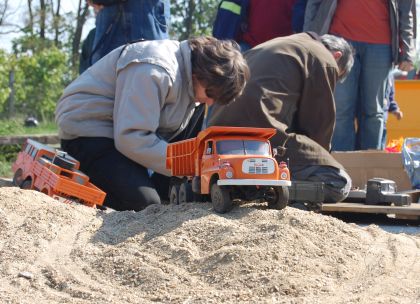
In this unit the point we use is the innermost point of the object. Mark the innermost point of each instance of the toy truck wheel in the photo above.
(186, 194)
(174, 195)
(17, 178)
(220, 197)
(277, 198)
(27, 184)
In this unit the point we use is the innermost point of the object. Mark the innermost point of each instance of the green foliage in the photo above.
(39, 81)
(8, 154)
(192, 18)
(5, 66)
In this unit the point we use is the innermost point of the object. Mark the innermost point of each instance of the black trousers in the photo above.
(128, 185)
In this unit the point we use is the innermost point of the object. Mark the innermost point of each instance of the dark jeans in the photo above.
(128, 185)
(119, 24)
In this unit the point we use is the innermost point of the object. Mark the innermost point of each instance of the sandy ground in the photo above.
(51, 252)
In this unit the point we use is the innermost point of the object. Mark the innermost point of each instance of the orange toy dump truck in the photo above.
(54, 173)
(229, 163)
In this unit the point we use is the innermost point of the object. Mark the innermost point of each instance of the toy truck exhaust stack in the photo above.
(54, 173)
(228, 163)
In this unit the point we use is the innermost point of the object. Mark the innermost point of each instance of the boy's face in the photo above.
(200, 93)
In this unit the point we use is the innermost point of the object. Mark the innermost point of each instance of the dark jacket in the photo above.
(291, 89)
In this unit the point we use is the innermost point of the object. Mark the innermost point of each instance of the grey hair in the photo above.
(335, 43)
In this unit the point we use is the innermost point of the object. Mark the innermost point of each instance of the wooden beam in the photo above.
(411, 210)
(20, 139)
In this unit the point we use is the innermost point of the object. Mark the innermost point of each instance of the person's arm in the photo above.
(406, 34)
(141, 91)
(394, 109)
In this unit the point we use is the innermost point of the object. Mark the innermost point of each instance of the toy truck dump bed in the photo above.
(54, 173)
(228, 163)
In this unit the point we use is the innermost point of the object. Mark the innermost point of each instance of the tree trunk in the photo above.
(42, 16)
(11, 103)
(189, 20)
(31, 18)
(82, 12)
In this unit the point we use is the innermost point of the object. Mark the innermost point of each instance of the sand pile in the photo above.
(52, 252)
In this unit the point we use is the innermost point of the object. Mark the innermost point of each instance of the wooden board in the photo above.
(410, 210)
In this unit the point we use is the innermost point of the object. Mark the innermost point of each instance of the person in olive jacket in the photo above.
(291, 89)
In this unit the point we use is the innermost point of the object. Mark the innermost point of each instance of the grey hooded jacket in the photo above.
(319, 14)
(141, 95)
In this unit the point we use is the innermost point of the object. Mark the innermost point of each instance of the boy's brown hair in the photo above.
(219, 66)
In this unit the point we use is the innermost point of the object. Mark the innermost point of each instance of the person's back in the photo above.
(123, 21)
(267, 19)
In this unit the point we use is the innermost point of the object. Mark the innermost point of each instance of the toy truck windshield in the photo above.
(243, 147)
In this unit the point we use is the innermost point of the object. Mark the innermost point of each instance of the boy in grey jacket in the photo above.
(118, 116)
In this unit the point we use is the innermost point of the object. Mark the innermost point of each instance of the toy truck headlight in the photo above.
(227, 169)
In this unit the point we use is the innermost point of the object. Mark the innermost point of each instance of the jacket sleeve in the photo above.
(406, 21)
(316, 113)
(141, 91)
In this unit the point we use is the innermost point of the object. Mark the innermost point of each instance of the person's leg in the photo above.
(126, 183)
(346, 95)
(375, 67)
(337, 182)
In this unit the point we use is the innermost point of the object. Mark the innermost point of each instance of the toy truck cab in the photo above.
(54, 173)
(229, 163)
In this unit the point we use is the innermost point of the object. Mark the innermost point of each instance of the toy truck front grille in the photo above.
(258, 166)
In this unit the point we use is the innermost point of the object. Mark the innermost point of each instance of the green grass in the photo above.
(16, 127)
(8, 153)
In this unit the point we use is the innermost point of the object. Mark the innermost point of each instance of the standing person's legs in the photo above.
(337, 182)
(376, 64)
(148, 19)
(126, 183)
(346, 96)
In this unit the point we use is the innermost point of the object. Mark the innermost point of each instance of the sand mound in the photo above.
(52, 252)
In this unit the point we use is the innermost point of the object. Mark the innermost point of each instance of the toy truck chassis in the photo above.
(228, 164)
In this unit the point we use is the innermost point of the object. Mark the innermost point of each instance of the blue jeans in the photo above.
(337, 183)
(122, 23)
(361, 97)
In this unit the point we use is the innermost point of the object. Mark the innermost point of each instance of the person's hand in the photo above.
(406, 66)
(96, 7)
(398, 114)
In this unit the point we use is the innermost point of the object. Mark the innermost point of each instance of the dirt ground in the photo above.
(51, 252)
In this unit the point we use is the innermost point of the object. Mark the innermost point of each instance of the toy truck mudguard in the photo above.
(228, 163)
(54, 173)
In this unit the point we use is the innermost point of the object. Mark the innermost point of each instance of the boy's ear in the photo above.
(337, 54)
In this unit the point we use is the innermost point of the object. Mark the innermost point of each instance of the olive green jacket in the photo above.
(291, 89)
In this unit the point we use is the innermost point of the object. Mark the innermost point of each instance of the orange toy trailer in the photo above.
(54, 173)
(229, 163)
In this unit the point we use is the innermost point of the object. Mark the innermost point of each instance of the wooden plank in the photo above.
(411, 210)
(44, 139)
